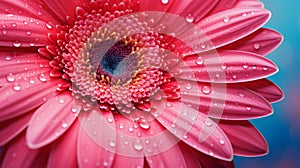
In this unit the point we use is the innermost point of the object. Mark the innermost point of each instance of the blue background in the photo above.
(282, 129)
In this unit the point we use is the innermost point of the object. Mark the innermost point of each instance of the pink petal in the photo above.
(20, 31)
(223, 5)
(23, 96)
(170, 158)
(248, 3)
(11, 128)
(19, 155)
(65, 8)
(230, 25)
(30, 9)
(145, 136)
(190, 158)
(225, 101)
(245, 138)
(96, 142)
(211, 162)
(127, 161)
(195, 129)
(12, 57)
(261, 42)
(226, 67)
(63, 151)
(265, 88)
(51, 120)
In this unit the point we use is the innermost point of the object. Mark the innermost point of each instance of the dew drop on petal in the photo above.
(265, 68)
(105, 164)
(42, 77)
(74, 110)
(208, 123)
(226, 19)
(241, 94)
(144, 125)
(206, 89)
(138, 145)
(112, 144)
(189, 18)
(31, 81)
(188, 86)
(245, 66)
(17, 44)
(222, 142)
(64, 125)
(256, 46)
(130, 129)
(8, 58)
(211, 153)
(49, 26)
(16, 87)
(200, 61)
(10, 77)
(223, 67)
(61, 101)
(110, 120)
(164, 1)
(168, 104)
(248, 108)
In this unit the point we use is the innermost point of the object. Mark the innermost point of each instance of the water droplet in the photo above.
(49, 26)
(64, 125)
(10, 77)
(169, 104)
(222, 142)
(256, 46)
(13, 25)
(42, 77)
(25, 23)
(105, 164)
(121, 126)
(200, 61)
(223, 67)
(248, 108)
(17, 87)
(244, 14)
(74, 110)
(241, 94)
(61, 101)
(110, 120)
(8, 58)
(188, 86)
(144, 125)
(208, 123)
(234, 76)
(226, 19)
(138, 145)
(265, 68)
(253, 67)
(185, 136)
(245, 66)
(203, 46)
(28, 33)
(31, 81)
(130, 129)
(189, 18)
(206, 89)
(4, 32)
(17, 44)
(112, 144)
(164, 1)
(211, 153)
(39, 13)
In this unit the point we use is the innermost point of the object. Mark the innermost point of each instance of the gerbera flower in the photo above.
(133, 83)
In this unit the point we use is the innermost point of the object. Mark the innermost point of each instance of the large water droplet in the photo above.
(206, 89)
(144, 125)
(10, 77)
(245, 66)
(42, 77)
(16, 87)
(189, 18)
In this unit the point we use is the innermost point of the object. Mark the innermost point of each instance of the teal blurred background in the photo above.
(282, 129)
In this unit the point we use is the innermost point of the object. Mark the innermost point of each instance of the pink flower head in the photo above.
(133, 83)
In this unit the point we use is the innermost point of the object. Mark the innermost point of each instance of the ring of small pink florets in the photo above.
(69, 46)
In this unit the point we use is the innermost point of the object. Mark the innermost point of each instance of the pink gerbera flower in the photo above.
(133, 83)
